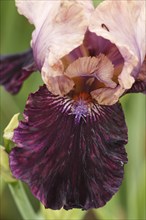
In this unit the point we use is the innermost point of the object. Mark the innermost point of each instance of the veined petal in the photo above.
(140, 84)
(123, 22)
(70, 155)
(107, 96)
(99, 67)
(96, 45)
(53, 77)
(59, 29)
(35, 11)
(57, 39)
(14, 69)
(62, 34)
(62, 44)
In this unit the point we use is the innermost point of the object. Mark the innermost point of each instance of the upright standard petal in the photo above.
(35, 11)
(64, 34)
(58, 30)
(123, 22)
(14, 69)
(71, 154)
(140, 84)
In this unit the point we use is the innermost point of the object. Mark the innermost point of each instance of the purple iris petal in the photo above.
(138, 86)
(14, 69)
(71, 158)
(102, 45)
(99, 45)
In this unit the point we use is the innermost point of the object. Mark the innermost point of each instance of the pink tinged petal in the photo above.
(105, 71)
(58, 30)
(58, 38)
(14, 69)
(56, 82)
(122, 22)
(142, 73)
(140, 84)
(99, 67)
(61, 32)
(33, 11)
(36, 12)
(88, 5)
(59, 85)
(70, 155)
(107, 96)
(83, 66)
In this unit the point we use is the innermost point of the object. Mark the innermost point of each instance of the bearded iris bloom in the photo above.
(70, 145)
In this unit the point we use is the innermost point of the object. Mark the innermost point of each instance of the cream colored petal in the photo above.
(105, 71)
(36, 11)
(86, 4)
(58, 39)
(59, 85)
(64, 33)
(99, 67)
(123, 23)
(59, 28)
(83, 66)
(107, 96)
(56, 82)
(59, 25)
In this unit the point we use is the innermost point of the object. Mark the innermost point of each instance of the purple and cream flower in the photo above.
(70, 145)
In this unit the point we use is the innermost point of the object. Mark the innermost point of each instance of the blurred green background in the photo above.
(130, 202)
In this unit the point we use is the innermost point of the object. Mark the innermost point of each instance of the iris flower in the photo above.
(70, 147)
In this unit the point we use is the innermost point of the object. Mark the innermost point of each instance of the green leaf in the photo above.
(23, 204)
(97, 2)
(5, 171)
(62, 214)
(9, 130)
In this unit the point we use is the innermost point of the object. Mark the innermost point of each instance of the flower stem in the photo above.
(23, 204)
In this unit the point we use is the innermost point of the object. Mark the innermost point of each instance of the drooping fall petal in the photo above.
(69, 155)
(14, 69)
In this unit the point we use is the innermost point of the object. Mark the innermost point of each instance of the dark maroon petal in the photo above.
(14, 69)
(96, 45)
(138, 86)
(70, 159)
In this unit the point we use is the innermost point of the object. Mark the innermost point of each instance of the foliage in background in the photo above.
(130, 202)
